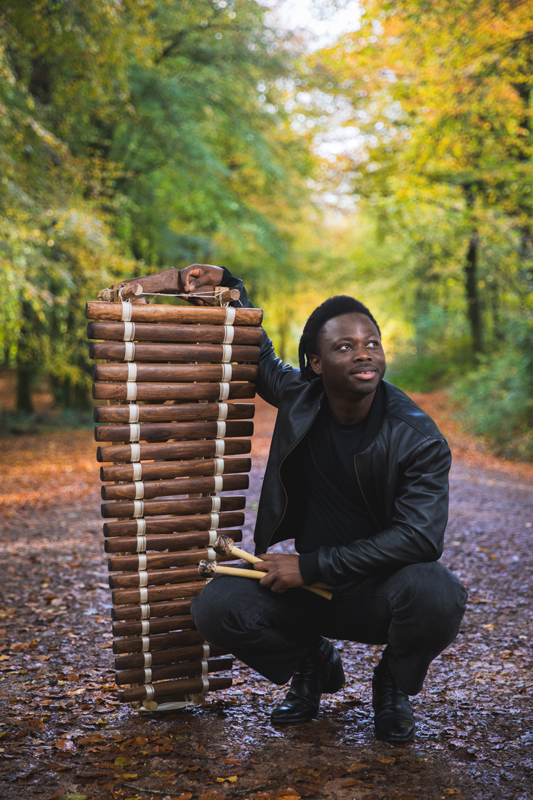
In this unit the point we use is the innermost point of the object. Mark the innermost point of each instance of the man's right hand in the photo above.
(195, 276)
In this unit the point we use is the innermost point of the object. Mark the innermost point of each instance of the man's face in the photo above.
(351, 361)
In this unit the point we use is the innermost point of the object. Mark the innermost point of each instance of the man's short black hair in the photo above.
(329, 309)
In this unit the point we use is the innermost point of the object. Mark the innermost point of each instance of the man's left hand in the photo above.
(283, 571)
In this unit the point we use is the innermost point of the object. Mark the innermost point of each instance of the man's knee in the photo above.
(434, 593)
(221, 611)
(207, 610)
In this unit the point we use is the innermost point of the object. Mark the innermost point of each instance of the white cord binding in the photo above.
(219, 483)
(138, 509)
(211, 555)
(134, 413)
(230, 315)
(229, 332)
(132, 371)
(205, 666)
(226, 353)
(131, 391)
(143, 578)
(213, 536)
(207, 650)
(135, 432)
(215, 521)
(145, 611)
(141, 525)
(215, 504)
(220, 446)
(147, 659)
(135, 451)
(221, 429)
(137, 471)
(223, 409)
(150, 691)
(145, 627)
(141, 544)
(127, 311)
(129, 351)
(205, 684)
(148, 675)
(143, 563)
(219, 466)
(129, 332)
(145, 644)
(224, 390)
(139, 490)
(143, 595)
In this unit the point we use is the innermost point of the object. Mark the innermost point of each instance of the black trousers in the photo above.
(416, 612)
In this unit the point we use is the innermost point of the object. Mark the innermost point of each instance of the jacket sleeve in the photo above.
(416, 533)
(274, 376)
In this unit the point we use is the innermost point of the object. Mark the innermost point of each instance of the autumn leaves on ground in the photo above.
(63, 733)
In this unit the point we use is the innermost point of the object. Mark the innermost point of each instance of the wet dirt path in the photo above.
(64, 735)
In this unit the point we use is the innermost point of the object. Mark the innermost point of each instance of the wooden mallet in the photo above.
(224, 545)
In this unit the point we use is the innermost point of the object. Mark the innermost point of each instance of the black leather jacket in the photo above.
(403, 475)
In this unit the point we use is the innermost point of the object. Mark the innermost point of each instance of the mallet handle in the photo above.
(236, 551)
(248, 573)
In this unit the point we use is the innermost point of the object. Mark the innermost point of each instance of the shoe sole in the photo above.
(395, 740)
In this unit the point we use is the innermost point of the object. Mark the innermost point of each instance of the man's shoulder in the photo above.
(400, 407)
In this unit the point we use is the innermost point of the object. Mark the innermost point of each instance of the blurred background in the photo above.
(381, 149)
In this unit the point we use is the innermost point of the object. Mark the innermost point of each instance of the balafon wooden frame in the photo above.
(172, 442)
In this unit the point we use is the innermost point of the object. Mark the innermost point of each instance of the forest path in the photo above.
(63, 733)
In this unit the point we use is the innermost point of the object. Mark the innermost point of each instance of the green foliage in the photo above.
(135, 136)
(497, 397)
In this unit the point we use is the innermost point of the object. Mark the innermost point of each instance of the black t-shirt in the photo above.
(332, 509)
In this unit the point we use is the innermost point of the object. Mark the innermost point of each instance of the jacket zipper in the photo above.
(363, 494)
(287, 454)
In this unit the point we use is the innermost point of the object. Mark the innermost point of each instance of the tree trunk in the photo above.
(472, 294)
(24, 381)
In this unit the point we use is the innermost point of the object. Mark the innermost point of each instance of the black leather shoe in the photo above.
(320, 671)
(393, 718)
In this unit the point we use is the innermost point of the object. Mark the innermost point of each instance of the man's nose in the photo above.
(361, 354)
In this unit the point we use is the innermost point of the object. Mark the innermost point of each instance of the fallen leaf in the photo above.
(231, 779)
(452, 791)
(123, 761)
(356, 767)
(386, 760)
(73, 796)
(211, 796)
(4, 658)
(65, 744)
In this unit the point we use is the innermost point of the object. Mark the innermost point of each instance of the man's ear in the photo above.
(316, 364)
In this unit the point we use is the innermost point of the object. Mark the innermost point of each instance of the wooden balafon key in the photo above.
(171, 439)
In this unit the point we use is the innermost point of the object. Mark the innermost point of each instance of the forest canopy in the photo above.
(395, 164)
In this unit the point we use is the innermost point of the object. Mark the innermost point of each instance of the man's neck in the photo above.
(350, 409)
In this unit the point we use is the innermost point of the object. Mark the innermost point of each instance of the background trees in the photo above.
(147, 133)
(440, 98)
